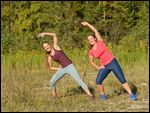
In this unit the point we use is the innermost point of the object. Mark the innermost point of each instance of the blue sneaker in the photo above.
(103, 97)
(133, 97)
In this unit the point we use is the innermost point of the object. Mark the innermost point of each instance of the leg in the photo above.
(101, 89)
(120, 76)
(74, 74)
(57, 76)
(100, 77)
(127, 88)
(132, 96)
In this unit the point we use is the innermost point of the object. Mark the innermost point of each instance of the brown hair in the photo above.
(46, 59)
(91, 34)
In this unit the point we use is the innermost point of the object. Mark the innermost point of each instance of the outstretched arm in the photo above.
(98, 36)
(54, 38)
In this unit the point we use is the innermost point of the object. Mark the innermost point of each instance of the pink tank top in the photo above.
(102, 53)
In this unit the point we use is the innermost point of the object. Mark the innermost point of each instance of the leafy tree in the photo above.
(115, 20)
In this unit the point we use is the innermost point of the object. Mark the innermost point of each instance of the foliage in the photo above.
(119, 22)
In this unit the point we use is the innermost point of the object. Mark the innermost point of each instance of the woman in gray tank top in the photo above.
(66, 65)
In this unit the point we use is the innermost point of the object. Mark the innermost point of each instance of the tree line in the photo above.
(121, 23)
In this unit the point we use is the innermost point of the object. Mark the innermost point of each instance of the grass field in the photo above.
(25, 86)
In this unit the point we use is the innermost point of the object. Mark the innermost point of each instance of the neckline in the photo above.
(94, 48)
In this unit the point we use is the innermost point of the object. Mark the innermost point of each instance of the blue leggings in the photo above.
(112, 66)
(71, 70)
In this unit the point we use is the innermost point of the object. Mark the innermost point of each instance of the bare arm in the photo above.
(50, 64)
(93, 64)
(54, 38)
(98, 36)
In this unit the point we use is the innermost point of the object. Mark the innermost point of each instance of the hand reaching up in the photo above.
(41, 35)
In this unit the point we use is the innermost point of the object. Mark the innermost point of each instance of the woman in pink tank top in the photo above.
(66, 65)
(107, 62)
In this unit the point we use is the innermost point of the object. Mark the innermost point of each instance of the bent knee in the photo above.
(98, 82)
(52, 83)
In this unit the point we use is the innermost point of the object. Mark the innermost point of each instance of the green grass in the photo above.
(24, 80)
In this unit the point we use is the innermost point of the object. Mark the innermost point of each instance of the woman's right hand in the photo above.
(101, 67)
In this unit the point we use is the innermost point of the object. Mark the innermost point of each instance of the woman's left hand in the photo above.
(84, 23)
(40, 35)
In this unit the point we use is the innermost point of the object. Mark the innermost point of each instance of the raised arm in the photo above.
(54, 38)
(98, 36)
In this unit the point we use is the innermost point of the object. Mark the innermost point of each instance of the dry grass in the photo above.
(25, 82)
